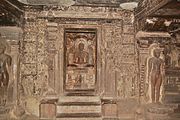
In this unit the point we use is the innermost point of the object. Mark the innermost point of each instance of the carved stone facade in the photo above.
(9, 69)
(91, 60)
(68, 53)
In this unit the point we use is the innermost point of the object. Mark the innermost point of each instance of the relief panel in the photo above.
(80, 58)
(172, 65)
(129, 29)
(128, 39)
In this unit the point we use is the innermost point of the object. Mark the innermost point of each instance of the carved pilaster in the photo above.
(42, 69)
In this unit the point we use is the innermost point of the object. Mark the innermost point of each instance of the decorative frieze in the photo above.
(86, 12)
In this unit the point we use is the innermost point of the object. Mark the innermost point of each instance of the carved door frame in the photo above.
(61, 30)
(81, 31)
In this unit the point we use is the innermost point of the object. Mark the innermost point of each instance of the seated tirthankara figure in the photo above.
(81, 56)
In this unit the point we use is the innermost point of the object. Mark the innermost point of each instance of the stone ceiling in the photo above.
(79, 2)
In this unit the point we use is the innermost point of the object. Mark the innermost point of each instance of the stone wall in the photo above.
(42, 65)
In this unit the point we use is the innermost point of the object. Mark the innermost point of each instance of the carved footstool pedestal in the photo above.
(48, 109)
(158, 112)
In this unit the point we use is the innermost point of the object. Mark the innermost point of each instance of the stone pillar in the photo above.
(15, 70)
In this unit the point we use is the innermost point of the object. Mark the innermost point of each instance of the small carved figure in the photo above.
(81, 56)
(71, 56)
(71, 82)
(79, 80)
(155, 74)
(167, 58)
(90, 56)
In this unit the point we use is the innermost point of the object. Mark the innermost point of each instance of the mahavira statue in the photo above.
(155, 64)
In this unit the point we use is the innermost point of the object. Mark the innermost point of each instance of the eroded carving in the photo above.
(5, 62)
(155, 75)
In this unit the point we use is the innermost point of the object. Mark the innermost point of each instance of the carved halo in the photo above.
(81, 40)
(152, 48)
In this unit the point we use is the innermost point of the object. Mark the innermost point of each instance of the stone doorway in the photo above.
(80, 60)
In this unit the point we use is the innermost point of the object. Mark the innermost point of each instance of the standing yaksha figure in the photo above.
(155, 65)
(5, 62)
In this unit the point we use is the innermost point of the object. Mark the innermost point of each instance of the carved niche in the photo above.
(80, 59)
(148, 42)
